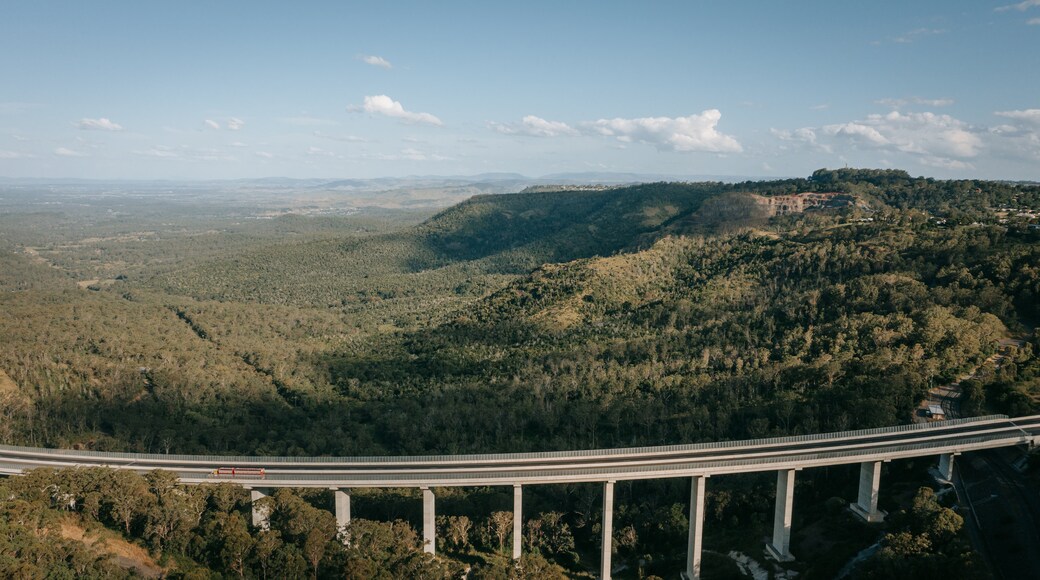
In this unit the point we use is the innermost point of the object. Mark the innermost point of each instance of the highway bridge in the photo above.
(785, 455)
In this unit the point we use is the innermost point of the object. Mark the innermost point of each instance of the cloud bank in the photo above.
(682, 134)
(694, 133)
(930, 139)
(1027, 115)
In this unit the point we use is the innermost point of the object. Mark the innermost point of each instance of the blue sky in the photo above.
(193, 90)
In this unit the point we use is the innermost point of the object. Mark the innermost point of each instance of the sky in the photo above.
(221, 90)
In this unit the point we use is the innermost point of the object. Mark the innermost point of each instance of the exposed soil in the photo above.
(7, 384)
(122, 553)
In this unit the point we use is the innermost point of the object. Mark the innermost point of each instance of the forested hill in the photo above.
(660, 313)
(515, 233)
(487, 235)
(521, 231)
(544, 227)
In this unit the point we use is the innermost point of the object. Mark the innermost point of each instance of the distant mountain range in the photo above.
(589, 177)
(284, 193)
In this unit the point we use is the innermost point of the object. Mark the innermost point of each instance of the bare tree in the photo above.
(501, 524)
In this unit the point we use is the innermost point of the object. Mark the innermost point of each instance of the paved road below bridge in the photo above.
(1001, 505)
(1003, 511)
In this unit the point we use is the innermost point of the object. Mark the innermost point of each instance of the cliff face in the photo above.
(800, 202)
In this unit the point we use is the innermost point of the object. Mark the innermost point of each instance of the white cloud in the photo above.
(101, 124)
(234, 124)
(1004, 129)
(265, 154)
(239, 144)
(207, 155)
(858, 132)
(65, 152)
(533, 126)
(913, 35)
(13, 155)
(160, 151)
(1027, 115)
(1021, 6)
(899, 103)
(376, 61)
(308, 121)
(1020, 138)
(804, 136)
(540, 127)
(212, 124)
(384, 105)
(925, 134)
(407, 154)
(413, 154)
(185, 154)
(417, 155)
(684, 134)
(945, 163)
(928, 138)
(319, 152)
(344, 138)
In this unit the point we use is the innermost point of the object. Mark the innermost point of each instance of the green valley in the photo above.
(658, 313)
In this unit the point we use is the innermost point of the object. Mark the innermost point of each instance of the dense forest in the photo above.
(651, 314)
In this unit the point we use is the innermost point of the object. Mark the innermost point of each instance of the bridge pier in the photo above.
(429, 522)
(261, 517)
(693, 546)
(518, 521)
(780, 548)
(946, 465)
(866, 506)
(608, 530)
(342, 497)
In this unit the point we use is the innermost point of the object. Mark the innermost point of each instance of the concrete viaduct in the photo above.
(785, 455)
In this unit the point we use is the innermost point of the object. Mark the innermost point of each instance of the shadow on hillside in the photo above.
(525, 230)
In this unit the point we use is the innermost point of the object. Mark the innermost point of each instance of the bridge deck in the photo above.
(563, 466)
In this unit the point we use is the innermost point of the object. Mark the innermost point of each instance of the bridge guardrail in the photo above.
(534, 456)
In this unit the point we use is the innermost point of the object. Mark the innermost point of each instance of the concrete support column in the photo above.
(518, 520)
(780, 548)
(693, 546)
(342, 497)
(429, 522)
(946, 466)
(261, 517)
(608, 530)
(869, 484)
